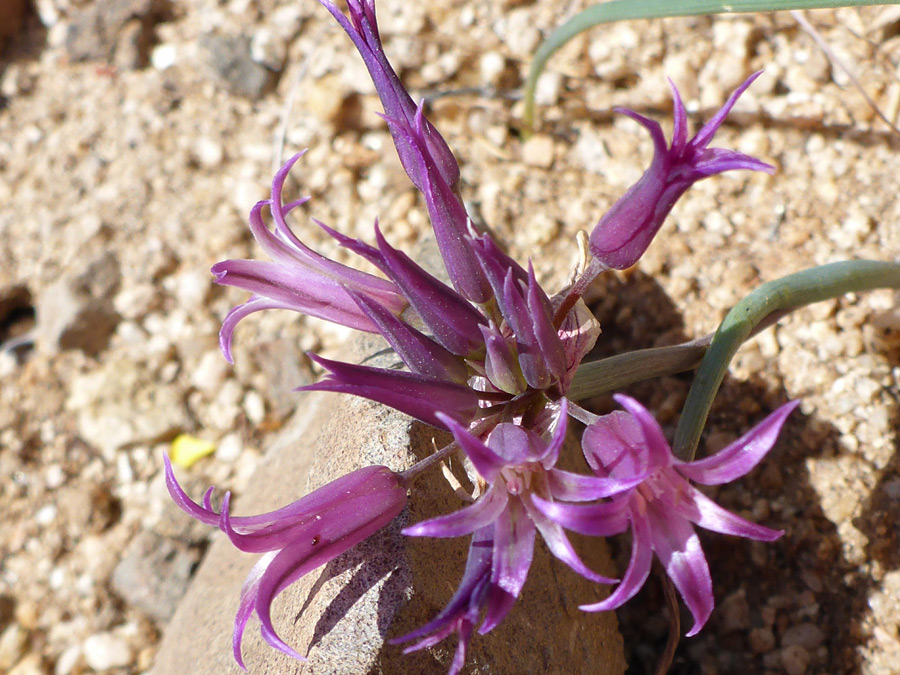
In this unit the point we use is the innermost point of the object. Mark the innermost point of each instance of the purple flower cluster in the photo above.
(490, 359)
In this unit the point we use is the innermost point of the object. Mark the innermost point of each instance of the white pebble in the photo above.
(163, 56)
(229, 448)
(45, 515)
(103, 651)
(68, 660)
(255, 407)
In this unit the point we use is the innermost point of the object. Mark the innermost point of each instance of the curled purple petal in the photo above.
(637, 572)
(678, 548)
(740, 457)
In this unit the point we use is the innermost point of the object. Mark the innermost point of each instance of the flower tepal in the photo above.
(663, 507)
(626, 230)
(297, 538)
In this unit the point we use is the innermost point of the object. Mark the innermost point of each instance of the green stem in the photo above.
(623, 10)
(617, 372)
(781, 295)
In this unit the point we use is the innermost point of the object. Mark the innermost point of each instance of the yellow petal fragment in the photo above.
(187, 449)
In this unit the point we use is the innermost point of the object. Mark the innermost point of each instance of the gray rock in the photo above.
(344, 614)
(230, 60)
(119, 31)
(154, 574)
(76, 312)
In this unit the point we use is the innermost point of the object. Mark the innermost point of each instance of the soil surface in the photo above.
(135, 135)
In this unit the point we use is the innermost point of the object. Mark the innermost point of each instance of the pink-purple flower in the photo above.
(297, 538)
(626, 230)
(516, 467)
(663, 507)
(489, 357)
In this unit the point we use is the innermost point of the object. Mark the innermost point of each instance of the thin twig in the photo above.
(835, 60)
(666, 658)
(281, 133)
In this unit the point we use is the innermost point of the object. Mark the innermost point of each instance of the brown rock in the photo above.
(12, 12)
(343, 615)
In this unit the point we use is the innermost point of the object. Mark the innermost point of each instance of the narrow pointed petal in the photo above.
(465, 521)
(599, 520)
(705, 135)
(560, 546)
(359, 247)
(247, 605)
(417, 396)
(179, 496)
(469, 592)
(713, 161)
(741, 456)
(500, 363)
(451, 319)
(487, 462)
(363, 30)
(234, 317)
(515, 311)
(637, 572)
(679, 119)
(576, 487)
(544, 330)
(655, 439)
(679, 551)
(498, 605)
(707, 514)
(514, 534)
(420, 353)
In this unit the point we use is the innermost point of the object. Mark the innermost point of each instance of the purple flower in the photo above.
(519, 469)
(489, 347)
(298, 278)
(626, 230)
(663, 507)
(298, 538)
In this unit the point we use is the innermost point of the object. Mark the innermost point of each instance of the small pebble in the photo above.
(103, 651)
(795, 660)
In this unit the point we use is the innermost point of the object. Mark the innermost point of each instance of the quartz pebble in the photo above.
(103, 651)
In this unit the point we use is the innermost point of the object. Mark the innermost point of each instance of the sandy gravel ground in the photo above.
(135, 135)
